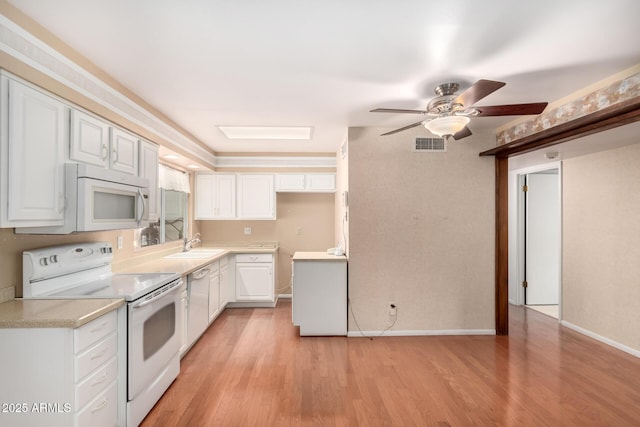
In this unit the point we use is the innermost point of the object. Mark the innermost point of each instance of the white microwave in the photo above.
(98, 199)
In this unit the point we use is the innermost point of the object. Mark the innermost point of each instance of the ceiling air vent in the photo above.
(430, 145)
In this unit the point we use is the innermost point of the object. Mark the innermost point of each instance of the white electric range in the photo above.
(83, 270)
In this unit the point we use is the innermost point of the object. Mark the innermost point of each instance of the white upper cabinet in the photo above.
(321, 182)
(215, 196)
(89, 139)
(96, 142)
(124, 152)
(256, 196)
(148, 168)
(306, 182)
(290, 182)
(34, 134)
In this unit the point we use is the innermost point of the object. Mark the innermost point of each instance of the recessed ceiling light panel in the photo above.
(267, 132)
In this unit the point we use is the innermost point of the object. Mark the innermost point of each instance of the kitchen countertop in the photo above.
(54, 313)
(187, 266)
(317, 256)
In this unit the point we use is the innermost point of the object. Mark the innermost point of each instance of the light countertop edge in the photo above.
(189, 265)
(317, 256)
(54, 313)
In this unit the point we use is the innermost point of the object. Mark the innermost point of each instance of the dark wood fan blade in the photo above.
(403, 128)
(465, 132)
(396, 110)
(479, 90)
(512, 110)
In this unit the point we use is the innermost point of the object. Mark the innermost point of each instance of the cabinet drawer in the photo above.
(87, 390)
(87, 334)
(254, 258)
(96, 356)
(102, 411)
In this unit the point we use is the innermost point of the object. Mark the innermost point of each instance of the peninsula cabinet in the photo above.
(33, 135)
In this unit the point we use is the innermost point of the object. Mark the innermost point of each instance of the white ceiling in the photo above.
(326, 63)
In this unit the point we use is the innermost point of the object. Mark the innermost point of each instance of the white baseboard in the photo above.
(608, 341)
(285, 296)
(412, 333)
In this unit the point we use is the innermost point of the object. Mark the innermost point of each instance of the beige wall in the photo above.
(422, 231)
(601, 250)
(304, 223)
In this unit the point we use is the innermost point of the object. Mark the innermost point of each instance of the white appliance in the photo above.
(198, 294)
(100, 199)
(152, 332)
(319, 293)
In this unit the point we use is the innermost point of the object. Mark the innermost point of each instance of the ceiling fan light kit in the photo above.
(452, 111)
(447, 126)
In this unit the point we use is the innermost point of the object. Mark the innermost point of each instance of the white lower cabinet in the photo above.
(254, 277)
(224, 282)
(61, 376)
(184, 307)
(214, 292)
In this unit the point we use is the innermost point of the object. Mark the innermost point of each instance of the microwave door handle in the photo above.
(141, 200)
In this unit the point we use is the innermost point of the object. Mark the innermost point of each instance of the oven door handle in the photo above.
(159, 296)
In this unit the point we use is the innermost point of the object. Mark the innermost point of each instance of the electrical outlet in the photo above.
(299, 231)
(393, 309)
(120, 242)
(247, 230)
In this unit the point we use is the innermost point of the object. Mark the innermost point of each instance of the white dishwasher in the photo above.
(198, 314)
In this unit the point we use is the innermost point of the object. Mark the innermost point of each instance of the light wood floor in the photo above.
(251, 369)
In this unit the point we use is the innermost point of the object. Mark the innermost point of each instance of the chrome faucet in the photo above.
(188, 243)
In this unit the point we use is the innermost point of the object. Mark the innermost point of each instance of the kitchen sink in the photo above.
(196, 254)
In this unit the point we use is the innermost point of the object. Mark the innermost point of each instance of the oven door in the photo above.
(104, 205)
(153, 336)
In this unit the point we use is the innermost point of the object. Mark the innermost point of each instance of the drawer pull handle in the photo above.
(100, 353)
(101, 379)
(101, 405)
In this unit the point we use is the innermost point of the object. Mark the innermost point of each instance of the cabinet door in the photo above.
(124, 152)
(321, 182)
(214, 296)
(224, 286)
(32, 154)
(204, 197)
(148, 168)
(184, 303)
(89, 139)
(254, 282)
(225, 194)
(290, 182)
(256, 196)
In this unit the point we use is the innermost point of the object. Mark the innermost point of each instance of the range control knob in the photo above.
(53, 259)
(44, 261)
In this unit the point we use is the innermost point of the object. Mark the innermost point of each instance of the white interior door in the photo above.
(543, 238)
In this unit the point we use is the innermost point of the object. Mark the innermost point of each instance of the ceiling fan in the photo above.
(451, 113)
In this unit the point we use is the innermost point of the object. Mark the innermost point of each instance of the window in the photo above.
(173, 222)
